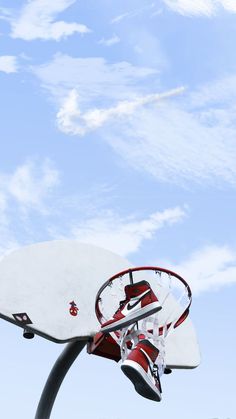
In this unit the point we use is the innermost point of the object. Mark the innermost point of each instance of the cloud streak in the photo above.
(72, 121)
(184, 141)
(209, 269)
(133, 13)
(27, 200)
(37, 20)
(124, 236)
(110, 41)
(206, 8)
(189, 141)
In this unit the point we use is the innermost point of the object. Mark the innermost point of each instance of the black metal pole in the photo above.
(56, 376)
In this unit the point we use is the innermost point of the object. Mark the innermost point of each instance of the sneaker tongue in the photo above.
(134, 290)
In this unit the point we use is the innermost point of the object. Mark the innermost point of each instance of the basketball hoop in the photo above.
(173, 293)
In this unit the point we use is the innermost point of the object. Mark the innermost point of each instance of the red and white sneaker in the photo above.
(140, 302)
(140, 368)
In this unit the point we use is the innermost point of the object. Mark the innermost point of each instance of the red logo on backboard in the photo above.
(73, 308)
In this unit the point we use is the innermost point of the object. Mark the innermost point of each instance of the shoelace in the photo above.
(121, 305)
(155, 372)
(156, 376)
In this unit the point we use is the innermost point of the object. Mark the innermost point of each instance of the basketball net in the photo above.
(174, 295)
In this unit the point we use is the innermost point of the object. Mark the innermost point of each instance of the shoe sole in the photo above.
(134, 317)
(143, 387)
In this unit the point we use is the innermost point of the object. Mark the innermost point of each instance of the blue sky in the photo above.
(118, 128)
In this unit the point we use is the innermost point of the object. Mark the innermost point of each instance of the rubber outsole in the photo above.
(140, 384)
(127, 321)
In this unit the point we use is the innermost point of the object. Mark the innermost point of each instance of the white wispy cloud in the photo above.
(78, 83)
(27, 201)
(124, 236)
(72, 121)
(24, 192)
(189, 139)
(37, 19)
(217, 94)
(110, 41)
(193, 140)
(209, 268)
(229, 5)
(94, 78)
(122, 16)
(28, 185)
(8, 64)
(133, 13)
(200, 7)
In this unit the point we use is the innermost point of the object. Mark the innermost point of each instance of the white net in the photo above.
(173, 294)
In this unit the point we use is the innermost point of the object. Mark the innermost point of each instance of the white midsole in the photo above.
(149, 380)
(133, 315)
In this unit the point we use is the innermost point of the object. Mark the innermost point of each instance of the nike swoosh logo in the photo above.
(130, 306)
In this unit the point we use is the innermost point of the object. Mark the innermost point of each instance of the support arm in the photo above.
(56, 377)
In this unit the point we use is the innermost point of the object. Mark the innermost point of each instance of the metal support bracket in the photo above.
(56, 377)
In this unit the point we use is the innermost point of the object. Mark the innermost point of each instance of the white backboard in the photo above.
(50, 289)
